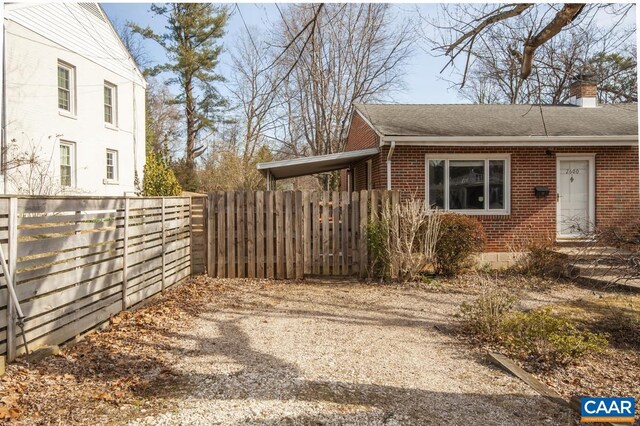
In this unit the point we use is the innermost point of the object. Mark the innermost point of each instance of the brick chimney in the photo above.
(583, 91)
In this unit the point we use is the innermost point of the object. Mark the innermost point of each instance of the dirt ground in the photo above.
(263, 353)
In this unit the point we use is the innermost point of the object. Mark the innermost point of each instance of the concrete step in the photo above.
(609, 282)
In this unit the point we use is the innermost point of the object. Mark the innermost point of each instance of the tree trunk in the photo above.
(191, 125)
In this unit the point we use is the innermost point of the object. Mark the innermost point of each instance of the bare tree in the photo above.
(462, 31)
(164, 126)
(30, 169)
(492, 71)
(355, 53)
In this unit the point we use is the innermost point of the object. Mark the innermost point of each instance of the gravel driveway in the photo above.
(335, 353)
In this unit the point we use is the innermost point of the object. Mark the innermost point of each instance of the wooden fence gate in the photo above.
(289, 234)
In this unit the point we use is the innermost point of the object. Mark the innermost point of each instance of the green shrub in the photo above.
(484, 316)
(377, 238)
(549, 340)
(460, 238)
(159, 179)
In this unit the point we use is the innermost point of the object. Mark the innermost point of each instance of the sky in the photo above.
(423, 81)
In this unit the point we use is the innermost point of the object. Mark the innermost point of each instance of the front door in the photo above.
(575, 180)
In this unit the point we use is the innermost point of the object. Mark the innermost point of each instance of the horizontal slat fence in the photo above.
(290, 234)
(78, 260)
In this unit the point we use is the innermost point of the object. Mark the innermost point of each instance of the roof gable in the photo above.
(82, 28)
(500, 120)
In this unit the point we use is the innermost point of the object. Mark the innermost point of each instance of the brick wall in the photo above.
(360, 136)
(617, 187)
(583, 90)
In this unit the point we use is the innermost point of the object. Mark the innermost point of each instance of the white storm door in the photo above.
(575, 211)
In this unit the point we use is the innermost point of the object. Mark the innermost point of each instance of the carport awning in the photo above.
(317, 164)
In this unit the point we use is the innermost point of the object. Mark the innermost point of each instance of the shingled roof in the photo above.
(501, 120)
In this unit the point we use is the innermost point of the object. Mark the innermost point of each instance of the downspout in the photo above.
(3, 144)
(389, 155)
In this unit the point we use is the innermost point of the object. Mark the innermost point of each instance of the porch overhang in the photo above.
(304, 166)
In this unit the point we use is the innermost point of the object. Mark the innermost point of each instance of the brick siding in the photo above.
(617, 187)
(360, 136)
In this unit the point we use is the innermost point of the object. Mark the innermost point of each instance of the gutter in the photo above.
(613, 140)
(389, 155)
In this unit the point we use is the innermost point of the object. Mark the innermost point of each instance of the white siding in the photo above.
(33, 118)
(73, 27)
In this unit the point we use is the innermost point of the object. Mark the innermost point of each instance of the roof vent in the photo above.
(93, 9)
(583, 91)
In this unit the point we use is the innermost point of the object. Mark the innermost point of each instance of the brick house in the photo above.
(526, 171)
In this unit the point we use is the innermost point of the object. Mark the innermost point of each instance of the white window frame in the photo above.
(486, 158)
(114, 104)
(72, 89)
(116, 171)
(72, 164)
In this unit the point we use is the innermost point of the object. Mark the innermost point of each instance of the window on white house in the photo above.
(112, 165)
(109, 103)
(473, 184)
(66, 164)
(65, 87)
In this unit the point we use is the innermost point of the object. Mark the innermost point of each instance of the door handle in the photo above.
(557, 197)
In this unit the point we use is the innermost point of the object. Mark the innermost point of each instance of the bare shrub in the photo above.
(614, 251)
(538, 257)
(484, 316)
(403, 239)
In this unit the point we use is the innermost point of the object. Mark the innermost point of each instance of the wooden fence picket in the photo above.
(306, 214)
(290, 234)
(298, 221)
(335, 240)
(325, 233)
(260, 234)
(363, 234)
(240, 241)
(221, 270)
(280, 272)
(251, 234)
(316, 242)
(270, 234)
(344, 227)
(231, 235)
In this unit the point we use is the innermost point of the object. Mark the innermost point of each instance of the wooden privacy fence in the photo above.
(289, 234)
(78, 261)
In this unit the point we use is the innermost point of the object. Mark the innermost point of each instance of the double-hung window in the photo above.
(109, 103)
(112, 165)
(66, 87)
(67, 178)
(472, 184)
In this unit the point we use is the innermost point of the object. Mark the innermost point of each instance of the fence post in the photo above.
(125, 255)
(164, 248)
(12, 248)
(211, 235)
(364, 262)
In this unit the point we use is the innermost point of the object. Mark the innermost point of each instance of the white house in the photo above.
(73, 100)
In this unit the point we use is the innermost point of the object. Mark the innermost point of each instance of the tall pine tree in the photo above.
(191, 44)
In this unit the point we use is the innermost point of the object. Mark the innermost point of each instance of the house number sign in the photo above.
(572, 172)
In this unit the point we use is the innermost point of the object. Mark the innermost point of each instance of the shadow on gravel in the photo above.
(360, 403)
